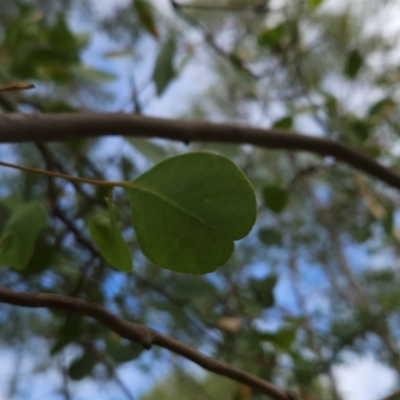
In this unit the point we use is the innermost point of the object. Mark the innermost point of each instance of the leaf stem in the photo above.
(65, 176)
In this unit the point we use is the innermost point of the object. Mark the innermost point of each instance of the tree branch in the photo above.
(16, 128)
(142, 335)
(260, 7)
(393, 396)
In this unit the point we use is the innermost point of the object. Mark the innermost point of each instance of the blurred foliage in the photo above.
(316, 279)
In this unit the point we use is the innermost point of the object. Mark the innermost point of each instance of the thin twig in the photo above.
(64, 176)
(260, 7)
(17, 86)
(232, 58)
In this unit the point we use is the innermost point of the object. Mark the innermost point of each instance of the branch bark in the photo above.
(17, 128)
(393, 396)
(142, 335)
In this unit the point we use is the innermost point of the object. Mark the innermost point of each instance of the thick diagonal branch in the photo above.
(140, 334)
(15, 128)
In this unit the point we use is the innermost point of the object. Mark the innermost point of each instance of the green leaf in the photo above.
(354, 62)
(314, 4)
(274, 36)
(164, 70)
(193, 287)
(20, 234)
(263, 290)
(381, 109)
(283, 338)
(188, 210)
(82, 366)
(108, 238)
(92, 74)
(150, 150)
(284, 123)
(270, 237)
(63, 40)
(388, 220)
(362, 129)
(145, 13)
(122, 352)
(275, 198)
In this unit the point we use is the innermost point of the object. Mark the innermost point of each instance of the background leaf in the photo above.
(275, 198)
(20, 234)
(353, 64)
(108, 237)
(82, 366)
(164, 70)
(145, 12)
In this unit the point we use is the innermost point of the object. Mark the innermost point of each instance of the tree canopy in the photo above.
(213, 179)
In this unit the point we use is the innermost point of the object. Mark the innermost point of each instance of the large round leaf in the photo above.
(188, 210)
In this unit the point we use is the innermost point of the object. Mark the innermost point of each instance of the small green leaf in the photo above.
(122, 352)
(274, 36)
(362, 129)
(314, 4)
(150, 150)
(270, 237)
(354, 62)
(381, 109)
(164, 70)
(284, 123)
(188, 210)
(387, 221)
(145, 12)
(20, 234)
(92, 75)
(284, 338)
(263, 290)
(82, 366)
(275, 197)
(193, 287)
(108, 238)
(63, 40)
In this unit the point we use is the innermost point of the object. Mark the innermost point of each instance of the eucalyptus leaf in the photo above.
(20, 234)
(188, 210)
(108, 238)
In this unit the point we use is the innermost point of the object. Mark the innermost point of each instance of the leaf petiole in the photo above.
(65, 176)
